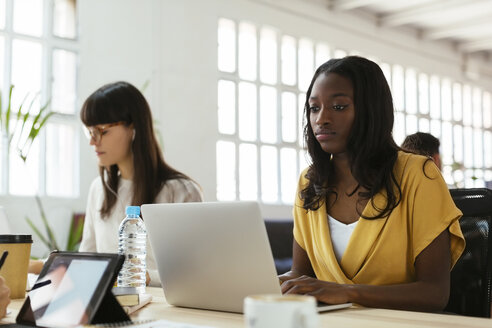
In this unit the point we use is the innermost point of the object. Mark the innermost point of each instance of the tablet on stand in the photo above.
(74, 289)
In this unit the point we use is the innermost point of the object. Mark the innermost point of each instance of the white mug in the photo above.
(286, 311)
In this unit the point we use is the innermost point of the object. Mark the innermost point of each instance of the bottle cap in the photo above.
(132, 210)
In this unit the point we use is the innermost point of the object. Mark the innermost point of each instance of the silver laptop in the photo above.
(212, 255)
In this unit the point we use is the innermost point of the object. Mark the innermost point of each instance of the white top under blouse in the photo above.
(101, 234)
(340, 235)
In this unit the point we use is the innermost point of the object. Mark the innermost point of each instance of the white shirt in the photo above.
(340, 235)
(101, 235)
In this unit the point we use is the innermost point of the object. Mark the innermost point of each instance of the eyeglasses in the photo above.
(96, 132)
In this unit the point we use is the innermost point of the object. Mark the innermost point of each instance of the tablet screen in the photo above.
(67, 289)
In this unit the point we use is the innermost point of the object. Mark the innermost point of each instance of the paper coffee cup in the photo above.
(287, 311)
(14, 269)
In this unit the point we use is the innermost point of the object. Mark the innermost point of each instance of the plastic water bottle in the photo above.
(132, 243)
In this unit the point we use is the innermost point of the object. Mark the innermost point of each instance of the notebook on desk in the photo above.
(212, 255)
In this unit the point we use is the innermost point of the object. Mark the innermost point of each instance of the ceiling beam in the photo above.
(477, 45)
(415, 14)
(352, 4)
(457, 29)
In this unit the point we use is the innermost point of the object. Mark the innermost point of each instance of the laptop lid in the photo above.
(211, 255)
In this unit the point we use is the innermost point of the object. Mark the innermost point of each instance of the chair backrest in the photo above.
(281, 239)
(471, 277)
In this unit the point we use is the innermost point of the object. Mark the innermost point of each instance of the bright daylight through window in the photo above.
(263, 77)
(38, 55)
(261, 91)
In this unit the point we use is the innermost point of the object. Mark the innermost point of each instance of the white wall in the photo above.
(172, 44)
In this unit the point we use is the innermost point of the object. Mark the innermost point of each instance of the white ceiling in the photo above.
(467, 24)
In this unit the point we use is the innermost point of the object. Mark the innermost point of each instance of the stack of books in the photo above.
(130, 299)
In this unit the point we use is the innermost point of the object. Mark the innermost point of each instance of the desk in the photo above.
(354, 317)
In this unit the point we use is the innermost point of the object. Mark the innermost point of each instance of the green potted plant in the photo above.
(27, 124)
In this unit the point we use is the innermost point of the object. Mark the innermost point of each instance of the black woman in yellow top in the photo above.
(407, 237)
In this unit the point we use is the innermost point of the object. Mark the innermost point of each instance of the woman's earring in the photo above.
(133, 136)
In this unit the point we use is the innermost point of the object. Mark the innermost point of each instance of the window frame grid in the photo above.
(280, 88)
(483, 169)
(49, 43)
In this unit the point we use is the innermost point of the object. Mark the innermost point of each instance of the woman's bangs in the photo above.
(98, 110)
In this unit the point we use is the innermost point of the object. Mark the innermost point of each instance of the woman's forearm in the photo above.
(416, 296)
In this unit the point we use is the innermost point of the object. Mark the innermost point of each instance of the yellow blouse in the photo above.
(383, 251)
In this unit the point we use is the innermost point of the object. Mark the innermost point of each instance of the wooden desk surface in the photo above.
(354, 317)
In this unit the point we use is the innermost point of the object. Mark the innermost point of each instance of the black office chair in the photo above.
(281, 238)
(471, 277)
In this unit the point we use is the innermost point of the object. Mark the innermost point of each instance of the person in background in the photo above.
(373, 225)
(425, 144)
(4, 297)
(131, 166)
(119, 126)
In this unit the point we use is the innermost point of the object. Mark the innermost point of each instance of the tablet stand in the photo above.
(103, 307)
(109, 311)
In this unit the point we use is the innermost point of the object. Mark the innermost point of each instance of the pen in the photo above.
(4, 256)
(41, 284)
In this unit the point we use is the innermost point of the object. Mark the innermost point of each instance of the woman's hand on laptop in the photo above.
(288, 276)
(324, 291)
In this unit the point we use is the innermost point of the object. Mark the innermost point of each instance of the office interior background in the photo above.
(226, 81)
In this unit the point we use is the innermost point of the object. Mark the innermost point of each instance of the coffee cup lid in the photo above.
(15, 239)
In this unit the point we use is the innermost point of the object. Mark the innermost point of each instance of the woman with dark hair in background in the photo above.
(370, 226)
(132, 169)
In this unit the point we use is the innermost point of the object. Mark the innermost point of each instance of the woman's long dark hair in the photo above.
(371, 149)
(121, 101)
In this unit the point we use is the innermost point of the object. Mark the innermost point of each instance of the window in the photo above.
(458, 114)
(38, 55)
(261, 92)
(263, 77)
